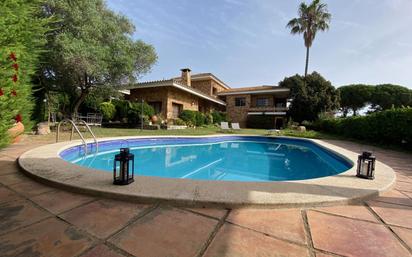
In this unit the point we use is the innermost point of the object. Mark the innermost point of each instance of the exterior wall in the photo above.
(237, 113)
(203, 85)
(169, 95)
(218, 87)
(207, 85)
(151, 95)
(189, 101)
(270, 97)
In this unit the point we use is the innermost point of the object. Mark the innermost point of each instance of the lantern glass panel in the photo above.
(366, 165)
(122, 169)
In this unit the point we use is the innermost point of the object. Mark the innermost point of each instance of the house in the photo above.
(205, 92)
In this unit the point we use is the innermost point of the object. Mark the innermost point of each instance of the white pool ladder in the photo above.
(74, 127)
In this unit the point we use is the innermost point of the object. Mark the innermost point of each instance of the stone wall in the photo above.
(207, 85)
(237, 113)
(169, 95)
(189, 101)
(270, 98)
(203, 86)
(151, 95)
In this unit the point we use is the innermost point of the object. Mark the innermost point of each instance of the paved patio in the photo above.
(37, 220)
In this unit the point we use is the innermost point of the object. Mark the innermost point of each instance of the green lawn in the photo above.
(115, 132)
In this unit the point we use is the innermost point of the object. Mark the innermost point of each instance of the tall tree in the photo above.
(91, 47)
(311, 95)
(354, 97)
(311, 19)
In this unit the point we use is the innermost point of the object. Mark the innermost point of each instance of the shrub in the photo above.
(208, 119)
(122, 107)
(108, 110)
(131, 111)
(219, 117)
(200, 119)
(189, 117)
(136, 110)
(179, 122)
(392, 126)
(193, 118)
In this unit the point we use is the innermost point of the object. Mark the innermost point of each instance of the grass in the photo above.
(115, 132)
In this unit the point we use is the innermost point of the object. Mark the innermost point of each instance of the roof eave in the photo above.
(172, 83)
(254, 91)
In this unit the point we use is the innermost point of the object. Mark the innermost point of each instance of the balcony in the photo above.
(267, 109)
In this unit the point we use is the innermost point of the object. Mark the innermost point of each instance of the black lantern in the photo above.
(123, 169)
(366, 166)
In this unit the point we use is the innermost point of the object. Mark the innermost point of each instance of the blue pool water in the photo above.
(233, 158)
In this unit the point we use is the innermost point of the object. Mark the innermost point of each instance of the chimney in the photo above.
(186, 79)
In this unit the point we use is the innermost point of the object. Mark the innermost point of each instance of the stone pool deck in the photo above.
(37, 220)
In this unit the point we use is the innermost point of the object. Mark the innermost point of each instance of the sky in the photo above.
(246, 42)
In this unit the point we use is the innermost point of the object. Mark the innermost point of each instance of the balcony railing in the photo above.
(267, 109)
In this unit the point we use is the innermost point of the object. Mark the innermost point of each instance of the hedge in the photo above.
(392, 127)
(22, 38)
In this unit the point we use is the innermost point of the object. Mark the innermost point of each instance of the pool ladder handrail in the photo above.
(74, 127)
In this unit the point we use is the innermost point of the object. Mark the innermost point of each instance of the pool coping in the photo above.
(45, 165)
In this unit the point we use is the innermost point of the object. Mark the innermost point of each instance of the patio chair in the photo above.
(224, 126)
(235, 126)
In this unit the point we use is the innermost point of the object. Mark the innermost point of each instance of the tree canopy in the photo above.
(91, 47)
(354, 97)
(386, 96)
(311, 95)
(380, 97)
(311, 19)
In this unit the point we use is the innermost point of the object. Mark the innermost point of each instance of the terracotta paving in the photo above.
(38, 220)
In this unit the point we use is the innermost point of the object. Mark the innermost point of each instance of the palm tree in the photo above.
(312, 18)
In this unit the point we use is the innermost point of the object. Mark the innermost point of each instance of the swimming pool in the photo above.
(227, 158)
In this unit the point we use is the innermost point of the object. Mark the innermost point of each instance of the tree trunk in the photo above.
(307, 61)
(79, 101)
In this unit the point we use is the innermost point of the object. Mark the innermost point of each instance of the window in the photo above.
(262, 101)
(177, 109)
(240, 101)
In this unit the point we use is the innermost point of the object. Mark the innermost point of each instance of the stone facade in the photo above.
(151, 95)
(202, 92)
(169, 96)
(270, 98)
(187, 100)
(239, 114)
(208, 86)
